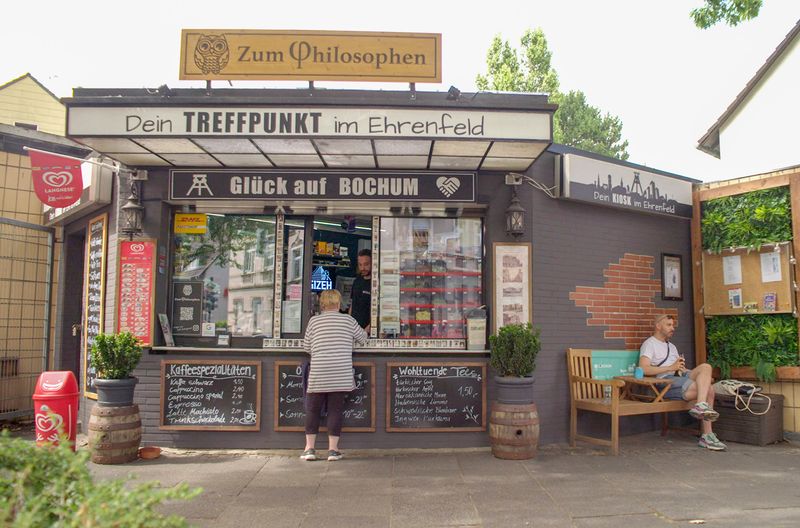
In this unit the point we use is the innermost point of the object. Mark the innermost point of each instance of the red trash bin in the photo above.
(55, 403)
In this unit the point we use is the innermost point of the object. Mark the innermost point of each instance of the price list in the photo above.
(94, 295)
(135, 295)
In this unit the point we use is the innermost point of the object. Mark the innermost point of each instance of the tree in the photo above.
(733, 12)
(576, 122)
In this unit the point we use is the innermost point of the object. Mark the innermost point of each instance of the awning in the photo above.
(236, 128)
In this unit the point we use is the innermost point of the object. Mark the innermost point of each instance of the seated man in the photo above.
(658, 357)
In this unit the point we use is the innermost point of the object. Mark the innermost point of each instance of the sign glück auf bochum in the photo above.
(305, 122)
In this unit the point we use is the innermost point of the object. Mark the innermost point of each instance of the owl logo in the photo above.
(211, 54)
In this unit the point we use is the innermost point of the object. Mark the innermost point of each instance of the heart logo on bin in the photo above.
(448, 186)
(45, 423)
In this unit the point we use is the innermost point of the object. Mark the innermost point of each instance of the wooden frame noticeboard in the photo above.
(745, 281)
(511, 284)
(94, 295)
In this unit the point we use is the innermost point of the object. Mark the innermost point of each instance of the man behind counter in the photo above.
(362, 290)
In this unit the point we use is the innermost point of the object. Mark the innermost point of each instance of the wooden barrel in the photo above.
(114, 434)
(514, 431)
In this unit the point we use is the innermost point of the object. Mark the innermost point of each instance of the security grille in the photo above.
(26, 277)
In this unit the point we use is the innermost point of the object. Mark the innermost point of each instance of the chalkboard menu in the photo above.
(435, 397)
(211, 395)
(359, 406)
(94, 296)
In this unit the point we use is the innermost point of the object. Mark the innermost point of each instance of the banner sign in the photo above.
(57, 181)
(193, 185)
(135, 288)
(191, 223)
(234, 121)
(617, 185)
(310, 55)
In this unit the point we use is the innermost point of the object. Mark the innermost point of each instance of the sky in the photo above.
(641, 60)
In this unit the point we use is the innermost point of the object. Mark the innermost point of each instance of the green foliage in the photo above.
(750, 219)
(226, 236)
(733, 12)
(514, 349)
(763, 342)
(52, 487)
(576, 122)
(114, 356)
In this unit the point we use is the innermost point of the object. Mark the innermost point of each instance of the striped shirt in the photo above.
(329, 341)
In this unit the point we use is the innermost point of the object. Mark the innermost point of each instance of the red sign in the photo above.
(57, 180)
(135, 288)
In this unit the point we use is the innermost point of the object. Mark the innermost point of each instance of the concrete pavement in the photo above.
(655, 482)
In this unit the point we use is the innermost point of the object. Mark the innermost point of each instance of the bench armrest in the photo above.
(612, 382)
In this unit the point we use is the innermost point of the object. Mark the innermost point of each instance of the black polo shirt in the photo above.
(360, 300)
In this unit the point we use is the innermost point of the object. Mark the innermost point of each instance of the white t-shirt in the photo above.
(656, 350)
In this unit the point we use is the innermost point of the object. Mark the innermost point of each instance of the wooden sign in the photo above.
(210, 395)
(435, 397)
(135, 289)
(310, 55)
(94, 294)
(359, 405)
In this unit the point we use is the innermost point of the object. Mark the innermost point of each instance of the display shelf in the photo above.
(440, 273)
(449, 305)
(327, 265)
(440, 290)
(432, 321)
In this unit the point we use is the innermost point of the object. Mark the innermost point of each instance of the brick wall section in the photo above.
(626, 302)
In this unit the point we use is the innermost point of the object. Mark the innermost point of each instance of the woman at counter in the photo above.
(329, 341)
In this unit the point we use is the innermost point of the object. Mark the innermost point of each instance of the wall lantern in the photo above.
(515, 216)
(132, 215)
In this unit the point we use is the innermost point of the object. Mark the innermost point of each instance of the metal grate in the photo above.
(26, 273)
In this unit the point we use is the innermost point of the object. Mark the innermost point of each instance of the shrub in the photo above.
(114, 356)
(514, 350)
(52, 487)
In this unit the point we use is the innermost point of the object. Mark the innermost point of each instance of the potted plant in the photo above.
(513, 356)
(114, 357)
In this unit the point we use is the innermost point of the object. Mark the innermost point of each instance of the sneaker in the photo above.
(702, 411)
(710, 441)
(334, 455)
(309, 454)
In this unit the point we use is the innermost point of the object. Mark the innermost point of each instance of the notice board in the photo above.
(435, 397)
(94, 296)
(289, 405)
(210, 395)
(746, 281)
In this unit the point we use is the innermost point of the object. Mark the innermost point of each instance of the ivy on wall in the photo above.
(748, 220)
(763, 342)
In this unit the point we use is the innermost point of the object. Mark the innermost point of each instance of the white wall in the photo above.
(763, 135)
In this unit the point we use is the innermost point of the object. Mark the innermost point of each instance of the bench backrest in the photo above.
(579, 365)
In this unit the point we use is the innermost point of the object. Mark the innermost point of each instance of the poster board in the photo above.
(289, 404)
(435, 397)
(136, 289)
(747, 281)
(94, 295)
(210, 395)
(511, 284)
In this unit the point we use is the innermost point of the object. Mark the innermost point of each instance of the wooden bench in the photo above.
(586, 394)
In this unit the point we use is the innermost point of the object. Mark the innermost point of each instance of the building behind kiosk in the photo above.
(256, 199)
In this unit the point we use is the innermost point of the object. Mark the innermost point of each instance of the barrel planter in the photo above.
(514, 431)
(114, 434)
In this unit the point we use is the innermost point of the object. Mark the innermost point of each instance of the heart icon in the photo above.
(448, 186)
(45, 423)
(57, 179)
(137, 248)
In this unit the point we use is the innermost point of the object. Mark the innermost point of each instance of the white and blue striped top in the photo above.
(329, 341)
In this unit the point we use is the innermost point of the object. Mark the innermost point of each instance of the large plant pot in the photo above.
(115, 392)
(513, 390)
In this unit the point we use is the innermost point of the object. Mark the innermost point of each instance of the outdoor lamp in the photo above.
(515, 216)
(133, 214)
